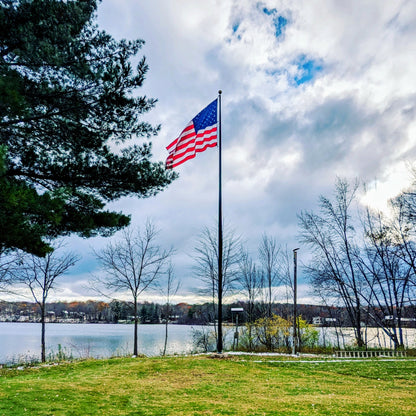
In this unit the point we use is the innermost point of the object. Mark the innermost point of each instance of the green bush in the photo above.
(275, 333)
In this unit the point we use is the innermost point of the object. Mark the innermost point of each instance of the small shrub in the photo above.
(204, 339)
(308, 335)
(63, 354)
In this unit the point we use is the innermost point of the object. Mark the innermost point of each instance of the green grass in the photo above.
(205, 386)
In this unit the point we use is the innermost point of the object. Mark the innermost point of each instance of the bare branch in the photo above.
(134, 264)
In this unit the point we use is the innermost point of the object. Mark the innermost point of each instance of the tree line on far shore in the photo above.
(182, 313)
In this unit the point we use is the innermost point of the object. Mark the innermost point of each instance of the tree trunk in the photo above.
(400, 328)
(166, 329)
(42, 340)
(219, 340)
(136, 321)
(358, 328)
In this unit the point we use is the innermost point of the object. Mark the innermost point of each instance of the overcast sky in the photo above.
(312, 90)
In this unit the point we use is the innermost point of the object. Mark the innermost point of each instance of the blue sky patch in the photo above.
(279, 22)
(308, 69)
(269, 12)
(235, 28)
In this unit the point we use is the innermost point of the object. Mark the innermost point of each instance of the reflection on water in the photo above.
(374, 337)
(22, 340)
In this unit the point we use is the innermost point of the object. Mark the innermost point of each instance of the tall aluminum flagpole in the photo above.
(220, 277)
(295, 295)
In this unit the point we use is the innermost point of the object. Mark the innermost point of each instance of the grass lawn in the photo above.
(201, 385)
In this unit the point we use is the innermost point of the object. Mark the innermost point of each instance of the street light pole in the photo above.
(295, 288)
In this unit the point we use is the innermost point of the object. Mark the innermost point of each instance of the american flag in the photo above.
(197, 136)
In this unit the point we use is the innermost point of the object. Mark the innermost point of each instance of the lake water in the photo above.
(21, 341)
(374, 337)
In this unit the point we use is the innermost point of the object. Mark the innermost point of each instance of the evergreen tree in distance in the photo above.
(69, 123)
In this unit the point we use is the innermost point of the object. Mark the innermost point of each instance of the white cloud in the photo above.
(380, 191)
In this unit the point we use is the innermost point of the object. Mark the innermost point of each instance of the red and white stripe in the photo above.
(188, 144)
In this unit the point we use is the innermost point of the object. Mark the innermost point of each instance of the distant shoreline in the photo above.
(96, 322)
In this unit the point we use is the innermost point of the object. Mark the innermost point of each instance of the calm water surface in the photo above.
(21, 341)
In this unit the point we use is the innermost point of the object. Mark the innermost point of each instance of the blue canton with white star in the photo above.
(207, 117)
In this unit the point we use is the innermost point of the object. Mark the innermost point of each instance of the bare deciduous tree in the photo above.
(387, 269)
(7, 263)
(331, 235)
(250, 283)
(39, 274)
(406, 201)
(206, 258)
(269, 251)
(405, 208)
(286, 279)
(133, 264)
(170, 289)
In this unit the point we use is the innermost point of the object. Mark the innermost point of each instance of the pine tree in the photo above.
(69, 122)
